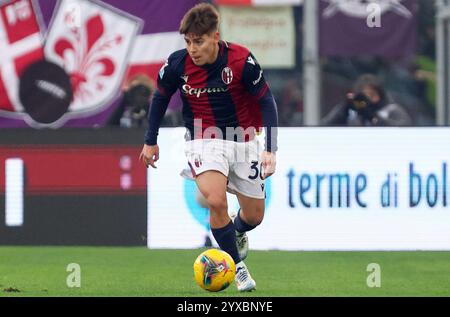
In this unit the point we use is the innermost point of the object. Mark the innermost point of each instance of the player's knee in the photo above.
(256, 220)
(217, 202)
(256, 216)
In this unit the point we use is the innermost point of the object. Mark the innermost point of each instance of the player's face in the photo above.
(202, 49)
(371, 94)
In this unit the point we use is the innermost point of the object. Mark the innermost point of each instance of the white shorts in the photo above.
(240, 162)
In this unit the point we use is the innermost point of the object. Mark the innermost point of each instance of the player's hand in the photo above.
(149, 155)
(269, 162)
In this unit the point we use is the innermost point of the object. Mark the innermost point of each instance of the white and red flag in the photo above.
(98, 45)
(21, 44)
(93, 48)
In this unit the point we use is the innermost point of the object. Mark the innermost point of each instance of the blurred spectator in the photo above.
(173, 116)
(426, 75)
(367, 105)
(132, 110)
(427, 28)
(291, 111)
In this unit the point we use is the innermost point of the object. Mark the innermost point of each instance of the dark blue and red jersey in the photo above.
(229, 93)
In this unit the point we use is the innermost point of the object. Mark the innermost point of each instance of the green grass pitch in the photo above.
(41, 271)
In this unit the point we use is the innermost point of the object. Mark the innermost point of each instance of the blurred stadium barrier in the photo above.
(76, 187)
(334, 189)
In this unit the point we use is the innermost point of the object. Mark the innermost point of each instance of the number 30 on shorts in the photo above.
(256, 171)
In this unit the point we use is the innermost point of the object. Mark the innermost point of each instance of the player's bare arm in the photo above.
(166, 87)
(149, 155)
(269, 162)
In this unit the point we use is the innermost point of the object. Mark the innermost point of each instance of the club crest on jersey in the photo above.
(227, 75)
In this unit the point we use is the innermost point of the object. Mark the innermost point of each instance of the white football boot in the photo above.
(244, 281)
(242, 244)
(241, 240)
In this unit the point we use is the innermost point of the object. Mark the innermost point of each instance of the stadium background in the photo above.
(70, 178)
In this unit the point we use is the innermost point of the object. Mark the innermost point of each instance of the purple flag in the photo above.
(386, 28)
(96, 45)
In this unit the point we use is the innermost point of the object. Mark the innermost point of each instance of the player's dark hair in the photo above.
(201, 19)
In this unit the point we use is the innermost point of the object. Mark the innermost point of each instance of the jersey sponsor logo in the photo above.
(188, 90)
(227, 75)
(255, 82)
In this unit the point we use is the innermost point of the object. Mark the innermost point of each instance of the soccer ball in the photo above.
(214, 270)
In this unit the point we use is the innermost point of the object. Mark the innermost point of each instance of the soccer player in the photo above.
(226, 102)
